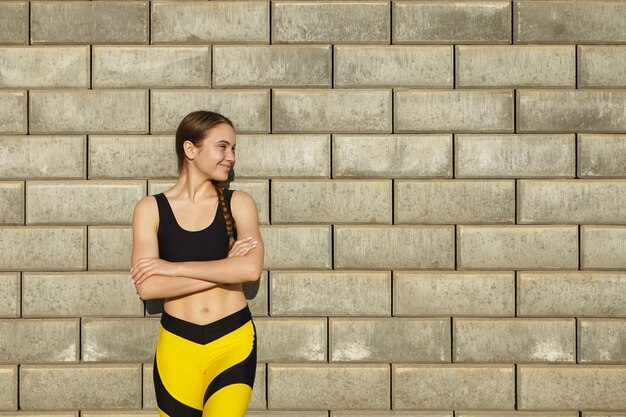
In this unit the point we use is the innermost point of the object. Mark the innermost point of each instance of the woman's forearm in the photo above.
(222, 271)
(161, 286)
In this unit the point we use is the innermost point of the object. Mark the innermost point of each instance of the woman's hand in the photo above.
(145, 267)
(241, 247)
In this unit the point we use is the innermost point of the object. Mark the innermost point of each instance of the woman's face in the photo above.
(217, 154)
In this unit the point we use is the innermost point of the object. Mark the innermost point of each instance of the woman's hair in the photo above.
(195, 127)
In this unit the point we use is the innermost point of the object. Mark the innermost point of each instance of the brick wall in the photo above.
(441, 189)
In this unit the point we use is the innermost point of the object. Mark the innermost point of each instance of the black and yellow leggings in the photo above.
(205, 370)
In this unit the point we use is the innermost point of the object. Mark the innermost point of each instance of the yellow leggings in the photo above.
(205, 370)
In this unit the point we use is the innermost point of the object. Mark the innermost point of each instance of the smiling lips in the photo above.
(226, 167)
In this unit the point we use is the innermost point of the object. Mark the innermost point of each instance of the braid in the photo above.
(227, 218)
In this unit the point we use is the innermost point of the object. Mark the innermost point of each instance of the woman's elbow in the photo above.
(255, 273)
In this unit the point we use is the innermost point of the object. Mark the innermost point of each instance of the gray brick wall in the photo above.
(441, 189)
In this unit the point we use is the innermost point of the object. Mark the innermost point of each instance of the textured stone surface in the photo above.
(391, 66)
(14, 22)
(44, 67)
(517, 246)
(88, 111)
(571, 201)
(440, 386)
(457, 294)
(569, 22)
(392, 156)
(601, 66)
(331, 22)
(43, 156)
(325, 386)
(193, 22)
(454, 201)
(585, 111)
(151, 66)
(467, 110)
(89, 22)
(515, 66)
(272, 66)
(516, 155)
(336, 110)
(571, 294)
(451, 22)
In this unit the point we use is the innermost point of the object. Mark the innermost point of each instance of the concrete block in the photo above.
(34, 248)
(109, 247)
(454, 201)
(601, 341)
(515, 155)
(89, 22)
(392, 156)
(10, 294)
(151, 66)
(571, 294)
(571, 201)
(492, 387)
(132, 156)
(393, 66)
(297, 247)
(193, 22)
(8, 381)
(260, 191)
(515, 66)
(517, 247)
(11, 200)
(559, 22)
(291, 340)
(272, 66)
(457, 294)
(79, 294)
(44, 66)
(304, 387)
(601, 66)
(360, 22)
(453, 22)
(602, 247)
(460, 111)
(514, 340)
(39, 341)
(88, 111)
(391, 414)
(389, 340)
(331, 110)
(601, 155)
(14, 17)
(324, 201)
(80, 386)
(288, 155)
(82, 202)
(44, 157)
(13, 112)
(582, 111)
(571, 387)
(394, 247)
(249, 110)
(118, 340)
(330, 293)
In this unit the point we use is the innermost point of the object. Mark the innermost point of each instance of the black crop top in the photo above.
(179, 245)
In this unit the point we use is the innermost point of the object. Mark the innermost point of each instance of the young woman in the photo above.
(205, 359)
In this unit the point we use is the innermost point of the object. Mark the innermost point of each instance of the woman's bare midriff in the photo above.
(207, 306)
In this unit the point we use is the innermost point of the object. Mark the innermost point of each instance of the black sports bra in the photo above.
(179, 245)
